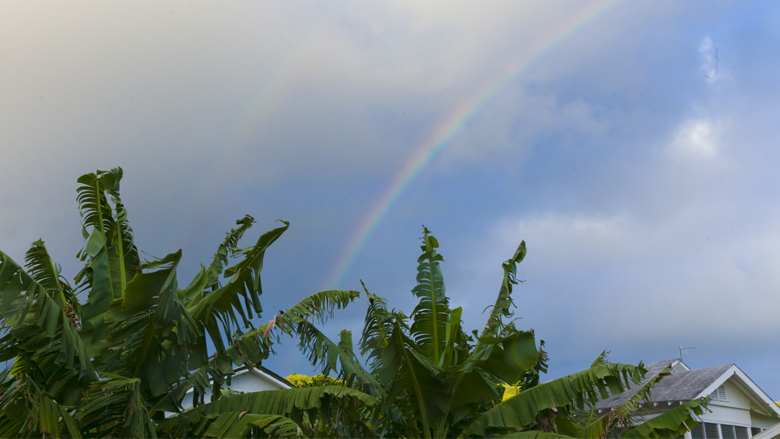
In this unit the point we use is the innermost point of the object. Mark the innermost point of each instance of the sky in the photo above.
(632, 145)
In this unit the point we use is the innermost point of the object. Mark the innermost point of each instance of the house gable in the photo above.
(739, 409)
(246, 379)
(744, 392)
(679, 366)
(256, 380)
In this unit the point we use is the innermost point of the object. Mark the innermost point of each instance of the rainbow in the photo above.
(270, 92)
(451, 125)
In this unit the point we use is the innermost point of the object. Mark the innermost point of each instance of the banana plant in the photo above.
(433, 380)
(115, 353)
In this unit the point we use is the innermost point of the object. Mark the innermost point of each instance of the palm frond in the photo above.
(109, 251)
(407, 374)
(97, 276)
(152, 334)
(122, 242)
(432, 313)
(322, 352)
(455, 348)
(376, 330)
(478, 382)
(504, 300)
(225, 249)
(531, 377)
(54, 419)
(197, 380)
(671, 424)
(26, 407)
(339, 357)
(508, 358)
(94, 208)
(249, 348)
(620, 419)
(97, 280)
(217, 310)
(114, 407)
(590, 384)
(235, 424)
(330, 404)
(19, 395)
(35, 320)
(47, 273)
(44, 270)
(320, 306)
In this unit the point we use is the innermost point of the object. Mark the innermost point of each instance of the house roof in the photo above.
(681, 386)
(685, 385)
(684, 388)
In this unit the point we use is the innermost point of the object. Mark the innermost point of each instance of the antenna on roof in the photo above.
(684, 351)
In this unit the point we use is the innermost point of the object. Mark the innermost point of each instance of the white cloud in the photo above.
(695, 139)
(652, 280)
(709, 59)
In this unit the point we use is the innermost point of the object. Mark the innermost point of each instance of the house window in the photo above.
(718, 394)
(711, 431)
(697, 432)
(705, 431)
(755, 431)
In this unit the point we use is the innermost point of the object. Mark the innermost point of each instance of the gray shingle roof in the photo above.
(680, 386)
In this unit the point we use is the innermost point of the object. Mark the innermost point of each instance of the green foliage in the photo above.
(431, 314)
(671, 424)
(299, 407)
(114, 364)
(433, 380)
(116, 353)
(588, 385)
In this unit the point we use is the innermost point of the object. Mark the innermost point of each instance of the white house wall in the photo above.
(679, 366)
(735, 410)
(762, 421)
(727, 415)
(252, 382)
(734, 397)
